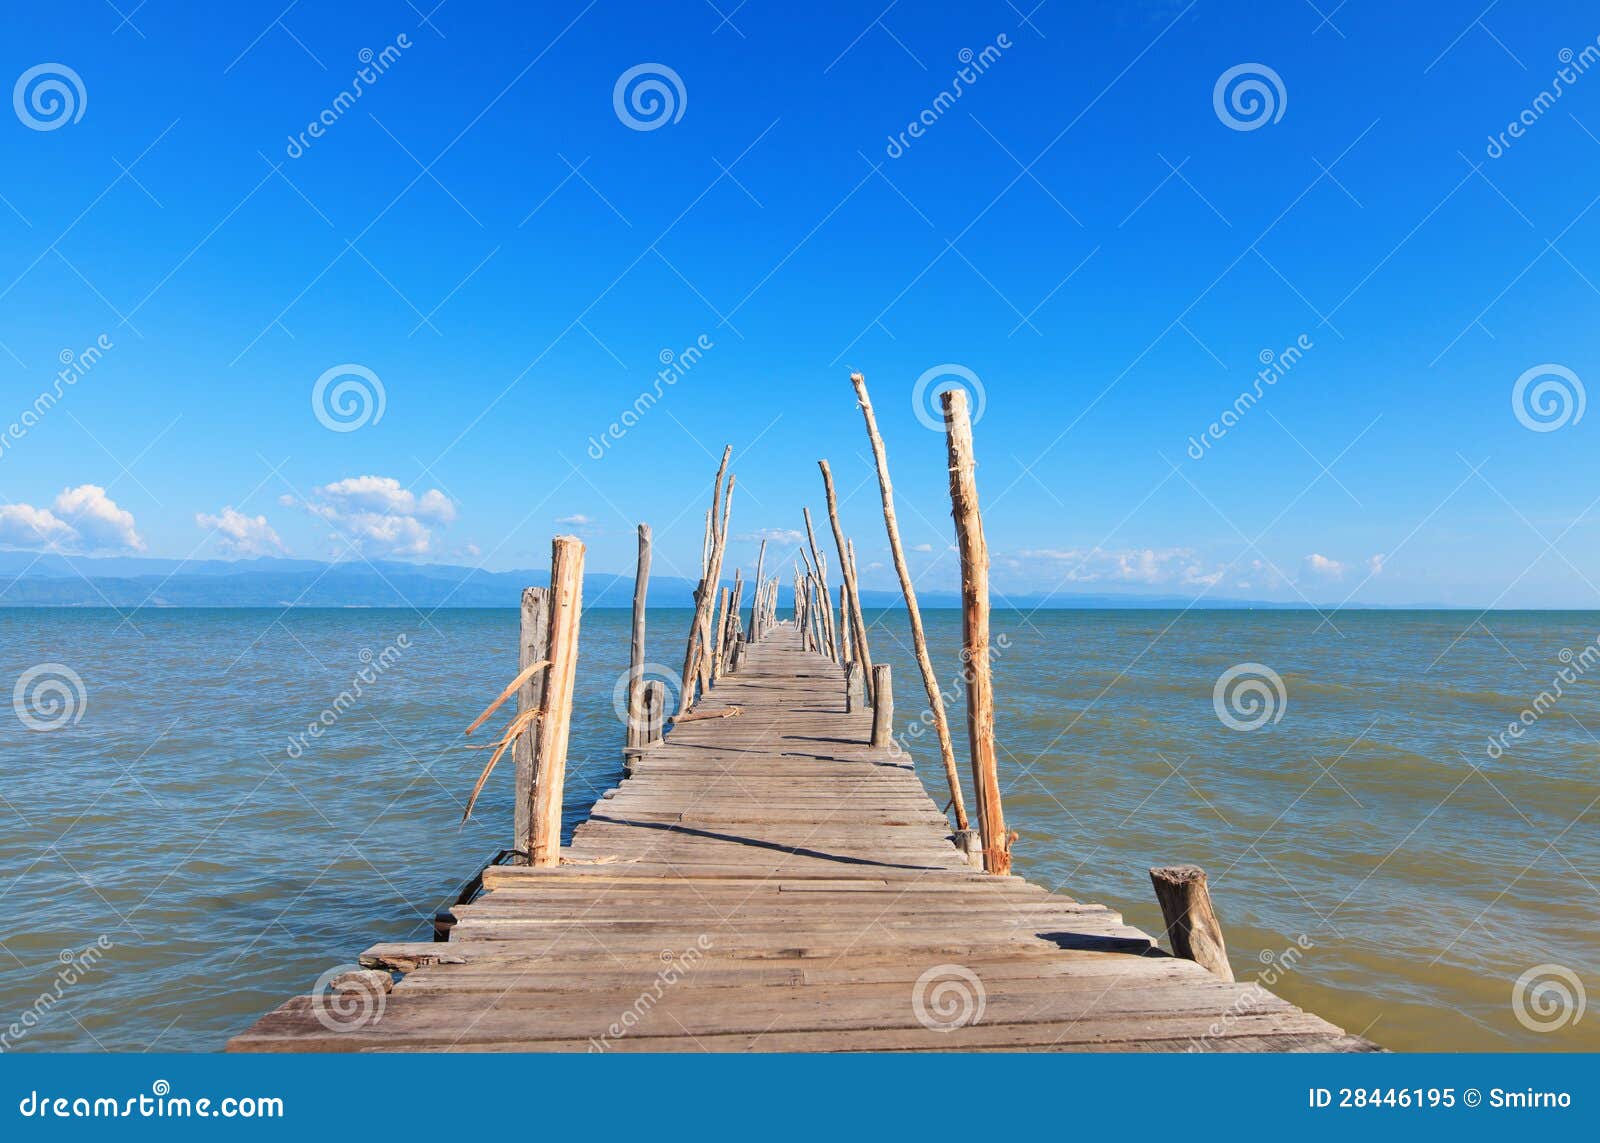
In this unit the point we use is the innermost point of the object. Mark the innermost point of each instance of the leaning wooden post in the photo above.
(822, 578)
(531, 645)
(852, 589)
(718, 550)
(1192, 925)
(975, 631)
(719, 622)
(702, 596)
(635, 690)
(919, 642)
(759, 598)
(549, 779)
(883, 709)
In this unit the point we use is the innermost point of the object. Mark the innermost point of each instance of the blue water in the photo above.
(168, 834)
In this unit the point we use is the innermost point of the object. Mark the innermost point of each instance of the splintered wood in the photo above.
(770, 882)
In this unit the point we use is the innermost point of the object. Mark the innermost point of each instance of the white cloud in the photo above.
(1148, 566)
(1375, 563)
(375, 516)
(383, 495)
(84, 519)
(1323, 567)
(576, 520)
(24, 526)
(774, 535)
(241, 535)
(922, 547)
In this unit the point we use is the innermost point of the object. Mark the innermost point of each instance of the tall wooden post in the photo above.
(975, 631)
(702, 594)
(822, 579)
(555, 728)
(1191, 920)
(883, 708)
(719, 621)
(919, 641)
(851, 590)
(635, 690)
(758, 601)
(532, 641)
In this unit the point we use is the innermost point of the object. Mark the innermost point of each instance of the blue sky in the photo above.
(1083, 230)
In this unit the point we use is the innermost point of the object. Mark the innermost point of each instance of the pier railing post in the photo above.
(853, 696)
(919, 642)
(882, 707)
(975, 631)
(555, 728)
(1193, 929)
(641, 585)
(532, 642)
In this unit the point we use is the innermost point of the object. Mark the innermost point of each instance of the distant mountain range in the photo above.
(28, 579)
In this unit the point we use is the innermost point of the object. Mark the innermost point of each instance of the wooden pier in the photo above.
(772, 882)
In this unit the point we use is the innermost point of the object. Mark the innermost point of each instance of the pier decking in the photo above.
(770, 882)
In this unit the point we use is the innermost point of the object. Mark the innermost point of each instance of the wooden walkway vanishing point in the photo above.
(772, 875)
(772, 883)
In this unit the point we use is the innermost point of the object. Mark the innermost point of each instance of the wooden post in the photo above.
(702, 596)
(859, 616)
(1192, 926)
(758, 600)
(975, 631)
(532, 643)
(655, 706)
(719, 622)
(822, 579)
(883, 709)
(718, 550)
(850, 600)
(635, 691)
(549, 780)
(919, 642)
(852, 687)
